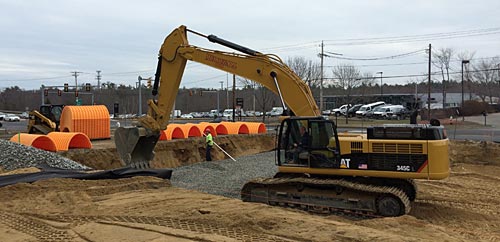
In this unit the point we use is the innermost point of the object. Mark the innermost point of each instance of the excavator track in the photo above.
(330, 196)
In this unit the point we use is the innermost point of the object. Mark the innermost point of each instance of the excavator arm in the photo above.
(135, 144)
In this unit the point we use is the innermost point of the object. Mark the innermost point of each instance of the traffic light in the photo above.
(149, 83)
(59, 92)
(46, 92)
(87, 87)
(66, 87)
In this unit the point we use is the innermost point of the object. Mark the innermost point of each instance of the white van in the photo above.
(368, 107)
(387, 111)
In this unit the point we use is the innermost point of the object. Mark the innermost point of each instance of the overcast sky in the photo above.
(42, 41)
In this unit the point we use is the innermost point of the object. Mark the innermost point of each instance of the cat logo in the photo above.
(344, 163)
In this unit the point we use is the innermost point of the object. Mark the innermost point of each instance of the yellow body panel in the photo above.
(436, 167)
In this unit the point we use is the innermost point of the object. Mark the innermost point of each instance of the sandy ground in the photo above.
(464, 207)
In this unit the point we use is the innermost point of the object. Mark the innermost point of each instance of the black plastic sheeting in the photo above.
(50, 172)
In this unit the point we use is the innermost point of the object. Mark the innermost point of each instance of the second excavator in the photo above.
(370, 173)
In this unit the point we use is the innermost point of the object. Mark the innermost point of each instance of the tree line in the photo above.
(482, 77)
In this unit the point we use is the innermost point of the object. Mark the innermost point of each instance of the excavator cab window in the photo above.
(294, 149)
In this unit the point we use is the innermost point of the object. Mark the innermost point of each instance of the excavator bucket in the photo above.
(135, 145)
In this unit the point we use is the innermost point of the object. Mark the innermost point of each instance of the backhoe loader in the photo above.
(369, 173)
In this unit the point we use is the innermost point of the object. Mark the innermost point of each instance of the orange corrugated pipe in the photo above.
(204, 126)
(92, 120)
(65, 141)
(36, 140)
(255, 127)
(175, 131)
(236, 128)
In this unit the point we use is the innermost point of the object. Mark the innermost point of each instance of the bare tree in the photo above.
(484, 75)
(347, 77)
(307, 70)
(443, 57)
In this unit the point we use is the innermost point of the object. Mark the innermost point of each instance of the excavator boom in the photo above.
(136, 144)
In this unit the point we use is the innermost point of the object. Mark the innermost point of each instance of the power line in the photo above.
(379, 58)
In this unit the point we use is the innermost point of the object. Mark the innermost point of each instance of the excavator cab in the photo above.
(308, 142)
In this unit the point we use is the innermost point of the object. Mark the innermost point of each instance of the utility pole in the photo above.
(381, 84)
(321, 81)
(234, 96)
(227, 90)
(429, 86)
(75, 74)
(98, 79)
(140, 95)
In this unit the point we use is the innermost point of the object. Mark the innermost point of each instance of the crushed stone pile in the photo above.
(224, 177)
(16, 156)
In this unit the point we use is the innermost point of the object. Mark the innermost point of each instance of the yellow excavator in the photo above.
(370, 173)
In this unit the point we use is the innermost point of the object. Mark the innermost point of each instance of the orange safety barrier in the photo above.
(93, 121)
(204, 126)
(236, 128)
(39, 141)
(64, 140)
(255, 127)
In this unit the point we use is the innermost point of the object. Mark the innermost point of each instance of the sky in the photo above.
(43, 41)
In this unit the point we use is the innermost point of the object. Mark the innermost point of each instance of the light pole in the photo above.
(381, 84)
(140, 95)
(221, 88)
(462, 104)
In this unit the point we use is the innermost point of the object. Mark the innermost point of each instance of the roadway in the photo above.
(472, 129)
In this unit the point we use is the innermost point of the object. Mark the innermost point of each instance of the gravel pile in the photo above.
(15, 156)
(224, 177)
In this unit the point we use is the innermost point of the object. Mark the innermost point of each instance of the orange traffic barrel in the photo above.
(255, 127)
(39, 141)
(93, 121)
(236, 128)
(65, 141)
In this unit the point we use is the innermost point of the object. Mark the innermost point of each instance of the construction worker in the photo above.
(209, 141)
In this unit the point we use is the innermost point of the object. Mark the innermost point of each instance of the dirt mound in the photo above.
(464, 207)
(175, 153)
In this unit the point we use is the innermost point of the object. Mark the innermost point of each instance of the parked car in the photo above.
(399, 113)
(187, 115)
(352, 111)
(341, 110)
(368, 107)
(276, 111)
(12, 118)
(327, 112)
(24, 115)
(383, 112)
(2, 116)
